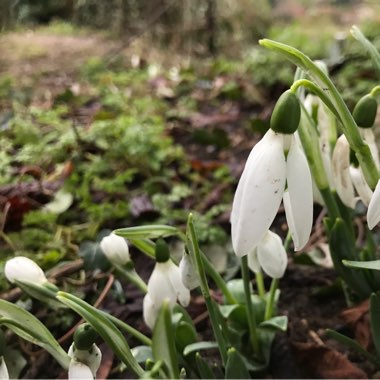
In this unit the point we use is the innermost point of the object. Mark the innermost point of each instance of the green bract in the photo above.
(84, 337)
(365, 111)
(286, 114)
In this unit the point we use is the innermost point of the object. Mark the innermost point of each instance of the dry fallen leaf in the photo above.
(325, 363)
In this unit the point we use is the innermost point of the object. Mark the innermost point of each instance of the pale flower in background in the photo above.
(115, 248)
(21, 268)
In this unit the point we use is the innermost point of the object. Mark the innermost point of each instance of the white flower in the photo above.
(262, 187)
(373, 212)
(165, 283)
(84, 363)
(115, 248)
(21, 268)
(341, 170)
(270, 255)
(189, 275)
(4, 375)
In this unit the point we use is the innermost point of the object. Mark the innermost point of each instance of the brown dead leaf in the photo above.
(200, 120)
(357, 318)
(325, 363)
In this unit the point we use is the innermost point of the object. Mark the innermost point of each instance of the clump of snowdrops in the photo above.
(316, 150)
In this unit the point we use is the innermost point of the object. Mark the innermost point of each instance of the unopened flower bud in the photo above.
(286, 114)
(365, 111)
(21, 268)
(188, 274)
(115, 249)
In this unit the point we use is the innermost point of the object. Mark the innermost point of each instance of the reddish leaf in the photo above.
(325, 363)
(357, 318)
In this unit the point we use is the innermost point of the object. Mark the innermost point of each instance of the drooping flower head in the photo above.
(21, 268)
(84, 353)
(115, 249)
(165, 283)
(276, 170)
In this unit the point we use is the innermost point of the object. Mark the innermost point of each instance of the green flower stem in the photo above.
(195, 251)
(272, 299)
(220, 283)
(260, 284)
(249, 307)
(349, 127)
(312, 87)
(132, 276)
(375, 91)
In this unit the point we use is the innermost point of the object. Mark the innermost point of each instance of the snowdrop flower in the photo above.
(115, 249)
(21, 268)
(165, 283)
(4, 375)
(84, 353)
(189, 275)
(276, 170)
(270, 255)
(373, 212)
(342, 173)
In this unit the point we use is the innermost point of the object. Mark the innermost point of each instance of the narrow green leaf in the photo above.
(375, 320)
(105, 328)
(15, 362)
(147, 232)
(372, 264)
(30, 328)
(163, 344)
(235, 367)
(368, 46)
(351, 343)
(145, 246)
(199, 346)
(279, 323)
(204, 369)
(185, 334)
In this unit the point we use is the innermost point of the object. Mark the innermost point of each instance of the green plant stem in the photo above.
(220, 283)
(249, 307)
(375, 91)
(260, 284)
(206, 291)
(349, 127)
(132, 276)
(272, 298)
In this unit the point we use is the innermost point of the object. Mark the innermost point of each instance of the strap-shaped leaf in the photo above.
(30, 328)
(163, 344)
(372, 264)
(203, 368)
(368, 46)
(235, 367)
(147, 232)
(105, 328)
(279, 323)
(199, 346)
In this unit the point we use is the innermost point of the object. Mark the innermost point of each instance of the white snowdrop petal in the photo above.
(341, 172)
(253, 261)
(299, 201)
(272, 255)
(115, 249)
(78, 370)
(373, 212)
(21, 268)
(150, 312)
(4, 375)
(159, 285)
(189, 275)
(182, 293)
(361, 186)
(259, 193)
